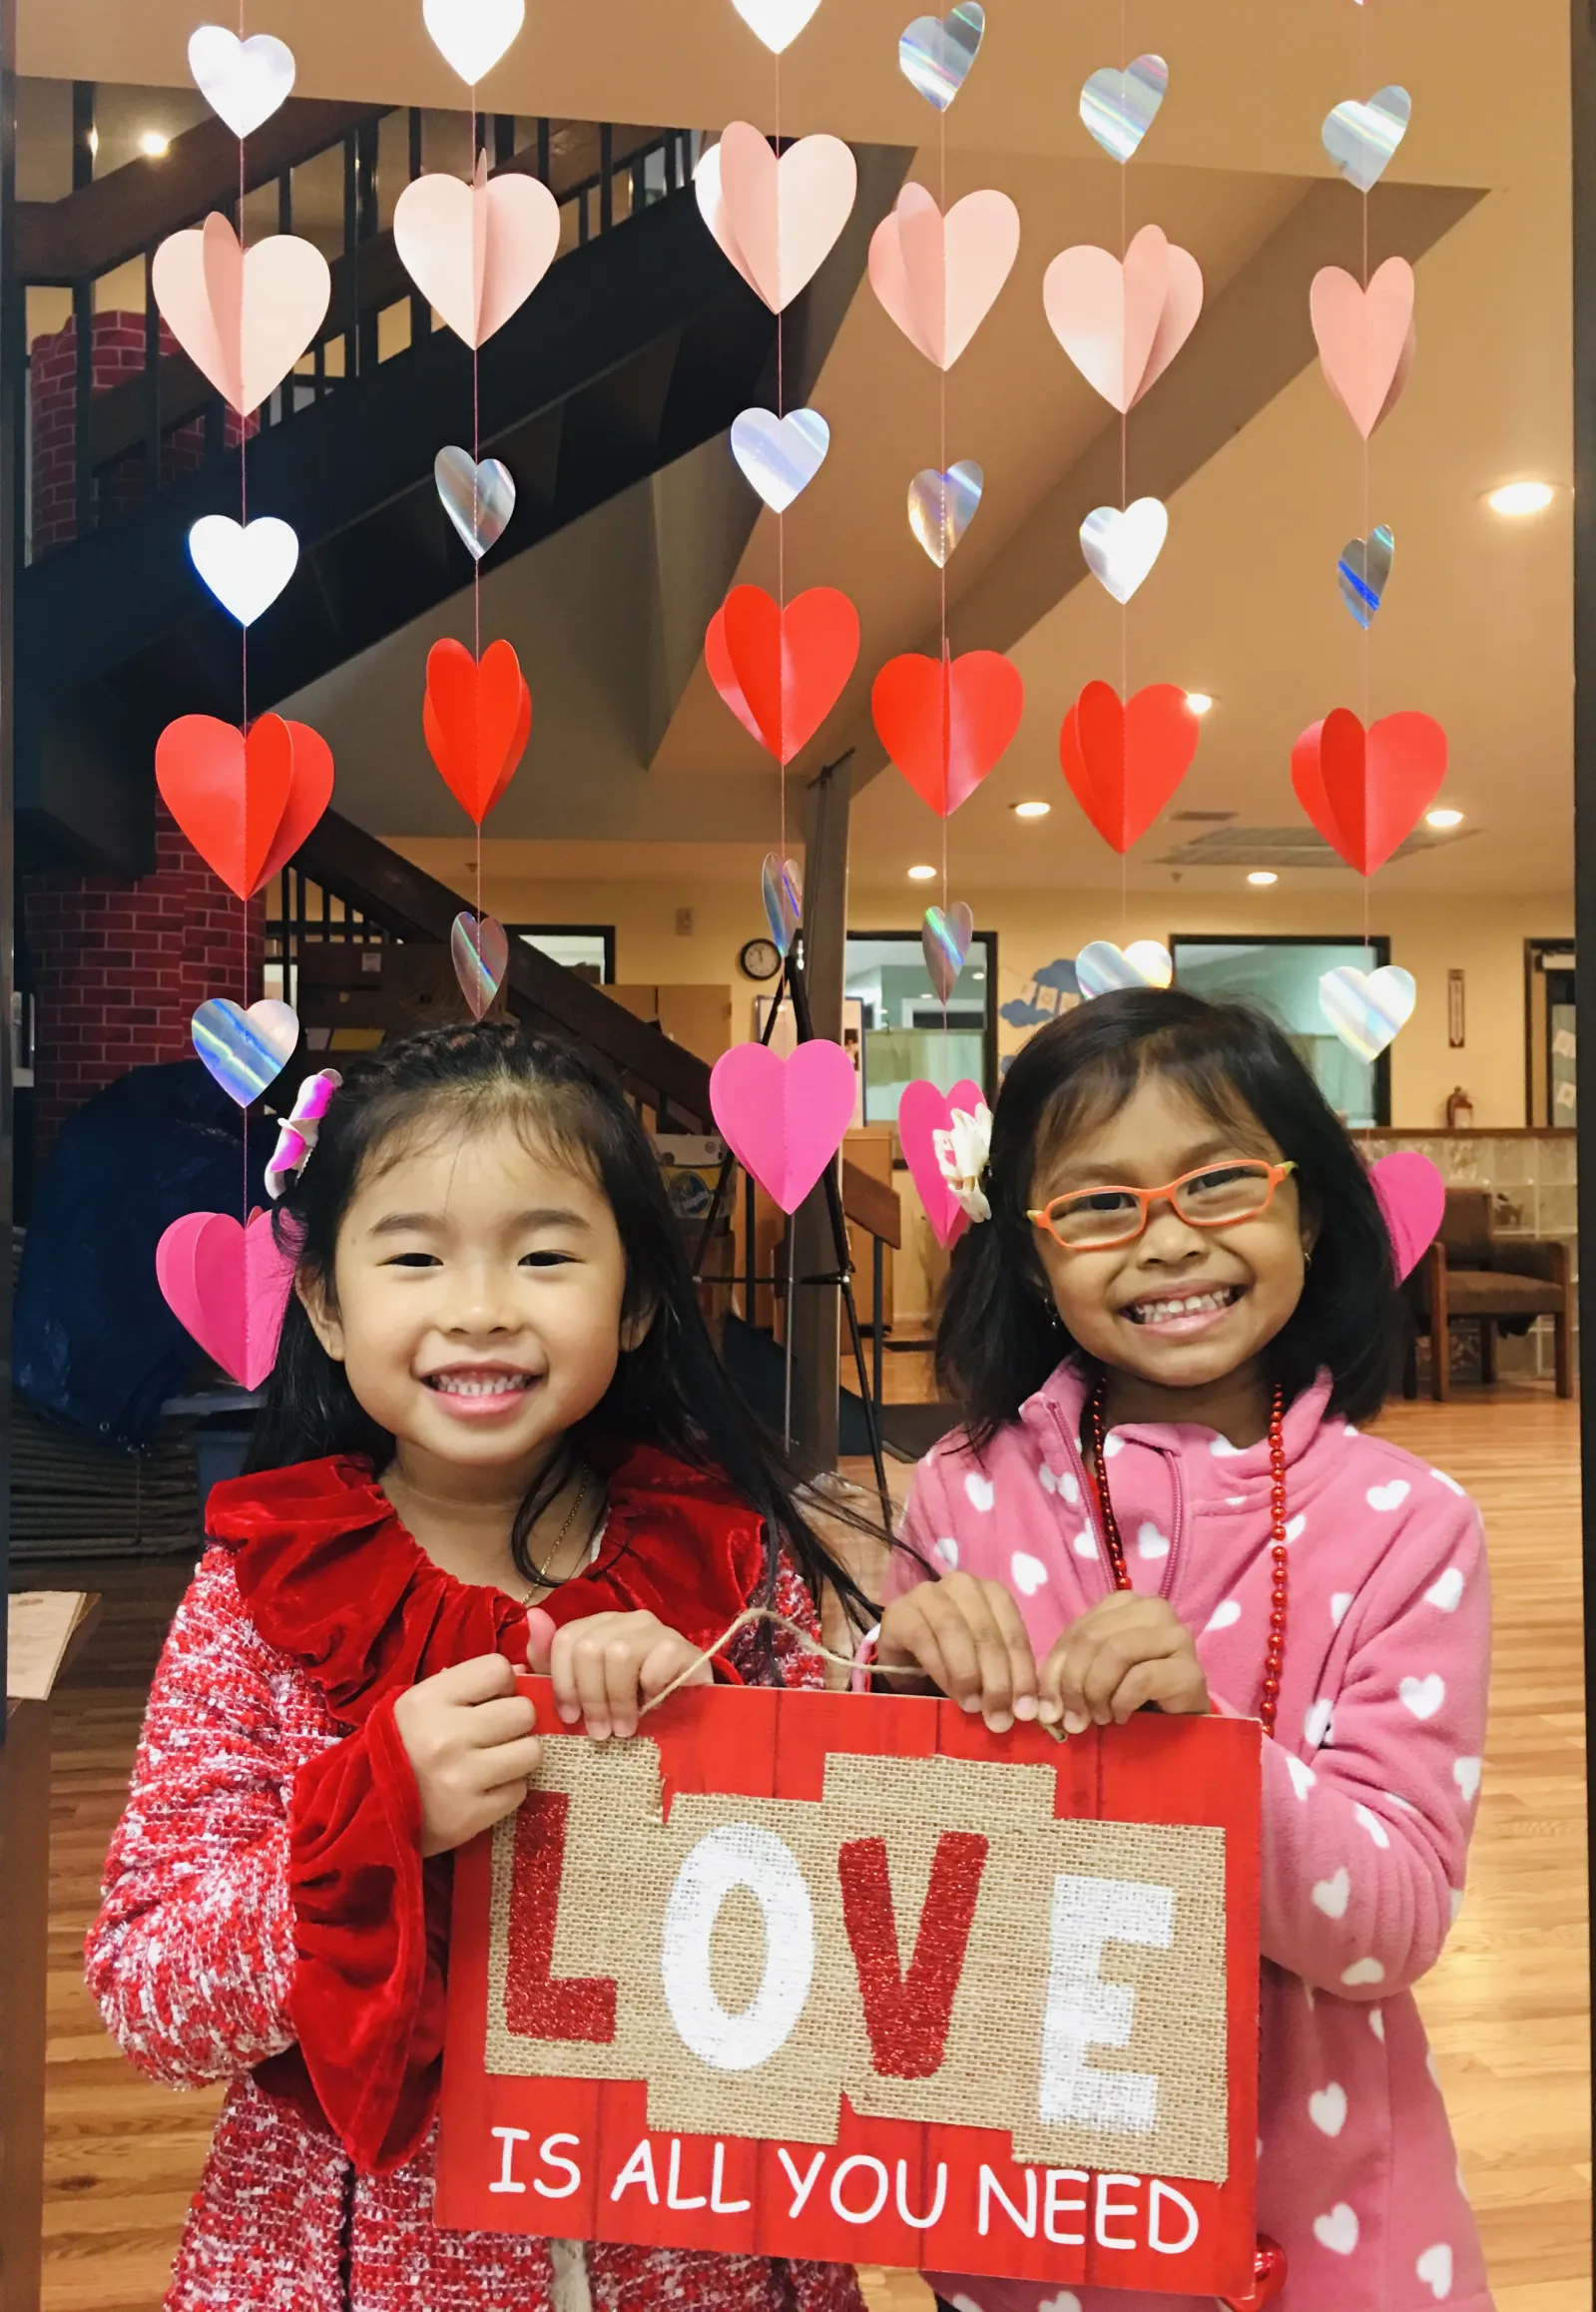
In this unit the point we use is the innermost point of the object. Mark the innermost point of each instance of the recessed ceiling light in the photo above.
(1444, 818)
(1521, 497)
(922, 875)
(1199, 702)
(1263, 875)
(1032, 810)
(154, 146)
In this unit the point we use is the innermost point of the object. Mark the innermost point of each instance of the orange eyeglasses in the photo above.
(1215, 1196)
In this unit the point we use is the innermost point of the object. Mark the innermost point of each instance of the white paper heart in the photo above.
(472, 35)
(242, 81)
(478, 499)
(780, 457)
(1121, 547)
(935, 53)
(781, 890)
(777, 22)
(1360, 139)
(1367, 1010)
(480, 949)
(245, 566)
(1363, 572)
(244, 1051)
(1101, 967)
(942, 506)
(1118, 108)
(945, 944)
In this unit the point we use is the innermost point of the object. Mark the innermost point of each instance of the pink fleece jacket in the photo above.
(1369, 1789)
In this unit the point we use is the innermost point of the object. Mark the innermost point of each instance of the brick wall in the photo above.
(119, 970)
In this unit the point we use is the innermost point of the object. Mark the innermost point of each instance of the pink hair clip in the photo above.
(298, 1135)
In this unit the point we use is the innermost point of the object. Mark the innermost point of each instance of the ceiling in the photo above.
(1264, 476)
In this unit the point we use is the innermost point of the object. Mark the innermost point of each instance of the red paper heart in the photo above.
(245, 802)
(783, 671)
(477, 719)
(1122, 763)
(945, 723)
(1269, 2278)
(1365, 791)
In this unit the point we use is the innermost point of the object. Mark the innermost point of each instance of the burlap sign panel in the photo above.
(1063, 1980)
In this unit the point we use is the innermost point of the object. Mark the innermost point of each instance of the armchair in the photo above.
(1470, 1273)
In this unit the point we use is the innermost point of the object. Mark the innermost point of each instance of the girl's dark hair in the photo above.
(671, 1390)
(999, 1337)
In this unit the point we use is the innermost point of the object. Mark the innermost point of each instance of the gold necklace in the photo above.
(541, 1566)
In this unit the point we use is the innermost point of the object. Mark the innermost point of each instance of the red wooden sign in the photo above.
(820, 1976)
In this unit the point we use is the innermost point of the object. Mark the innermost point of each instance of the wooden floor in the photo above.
(1506, 2008)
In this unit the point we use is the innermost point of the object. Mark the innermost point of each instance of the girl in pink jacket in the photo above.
(1173, 1309)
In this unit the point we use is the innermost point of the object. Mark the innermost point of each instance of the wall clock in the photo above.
(760, 959)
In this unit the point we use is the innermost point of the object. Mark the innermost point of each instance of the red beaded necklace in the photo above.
(1275, 1653)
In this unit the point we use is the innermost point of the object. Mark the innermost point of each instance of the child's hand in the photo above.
(468, 1737)
(1125, 1652)
(605, 1665)
(968, 1639)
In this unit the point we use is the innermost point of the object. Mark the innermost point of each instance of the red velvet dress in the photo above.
(267, 1916)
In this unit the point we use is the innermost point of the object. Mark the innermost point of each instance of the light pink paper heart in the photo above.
(476, 251)
(784, 1119)
(922, 1111)
(1365, 338)
(1123, 325)
(242, 317)
(228, 1285)
(777, 220)
(1412, 1197)
(939, 277)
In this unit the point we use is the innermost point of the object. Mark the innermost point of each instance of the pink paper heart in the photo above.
(777, 220)
(922, 1111)
(939, 277)
(1123, 325)
(1365, 338)
(242, 317)
(228, 1285)
(1412, 1197)
(476, 251)
(784, 1119)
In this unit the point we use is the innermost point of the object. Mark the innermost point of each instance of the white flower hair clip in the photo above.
(297, 1134)
(962, 1154)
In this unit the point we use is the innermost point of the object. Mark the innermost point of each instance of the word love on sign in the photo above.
(821, 1976)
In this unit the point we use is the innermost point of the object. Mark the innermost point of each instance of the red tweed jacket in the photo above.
(267, 1917)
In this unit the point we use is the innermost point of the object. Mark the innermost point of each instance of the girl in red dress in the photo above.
(495, 1398)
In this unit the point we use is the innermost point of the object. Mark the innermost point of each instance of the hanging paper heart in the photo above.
(1367, 1010)
(244, 320)
(472, 35)
(244, 566)
(476, 251)
(1121, 549)
(1365, 791)
(1360, 139)
(242, 81)
(477, 719)
(1122, 325)
(777, 22)
(777, 220)
(1122, 763)
(945, 944)
(783, 671)
(780, 457)
(1411, 1195)
(478, 499)
(784, 1119)
(782, 889)
(1362, 570)
(942, 506)
(244, 1050)
(246, 804)
(480, 951)
(946, 722)
(1119, 108)
(934, 53)
(1101, 969)
(228, 1287)
(938, 276)
(923, 1112)
(1269, 2278)
(1365, 338)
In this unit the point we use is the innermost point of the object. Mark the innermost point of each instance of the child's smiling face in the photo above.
(477, 1300)
(1180, 1306)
